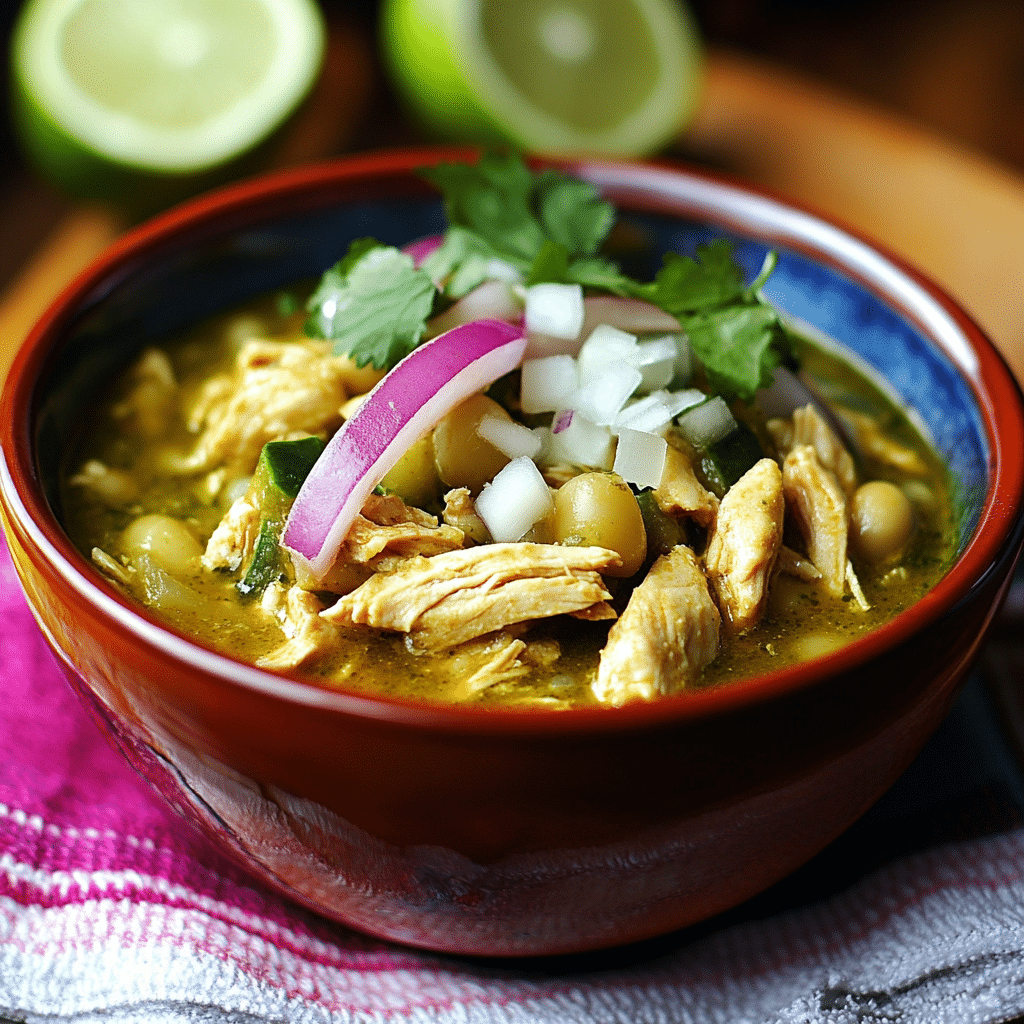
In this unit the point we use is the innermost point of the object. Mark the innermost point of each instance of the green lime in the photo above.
(142, 101)
(617, 77)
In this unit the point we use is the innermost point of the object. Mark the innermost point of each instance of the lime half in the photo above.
(616, 77)
(157, 92)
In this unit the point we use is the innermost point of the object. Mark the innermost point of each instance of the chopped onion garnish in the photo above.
(649, 414)
(510, 438)
(677, 401)
(581, 443)
(514, 501)
(632, 315)
(605, 345)
(640, 458)
(426, 385)
(500, 270)
(554, 310)
(656, 360)
(604, 396)
(561, 421)
(706, 424)
(492, 300)
(547, 383)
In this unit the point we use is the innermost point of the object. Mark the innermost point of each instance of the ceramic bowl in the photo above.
(511, 832)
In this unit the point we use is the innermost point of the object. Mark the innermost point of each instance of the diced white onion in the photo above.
(677, 401)
(499, 270)
(514, 501)
(554, 310)
(581, 442)
(708, 423)
(547, 383)
(604, 396)
(605, 345)
(650, 414)
(684, 359)
(509, 437)
(640, 458)
(656, 360)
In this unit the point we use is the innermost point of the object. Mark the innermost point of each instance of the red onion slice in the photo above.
(631, 315)
(422, 248)
(408, 402)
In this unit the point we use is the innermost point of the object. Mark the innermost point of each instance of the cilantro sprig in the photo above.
(374, 303)
(545, 226)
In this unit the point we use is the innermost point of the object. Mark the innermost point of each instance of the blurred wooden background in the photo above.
(950, 73)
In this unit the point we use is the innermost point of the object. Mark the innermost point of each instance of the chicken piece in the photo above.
(113, 487)
(149, 405)
(665, 638)
(459, 511)
(387, 526)
(795, 565)
(500, 664)
(815, 499)
(680, 493)
(234, 539)
(456, 596)
(808, 426)
(745, 543)
(878, 445)
(297, 612)
(277, 390)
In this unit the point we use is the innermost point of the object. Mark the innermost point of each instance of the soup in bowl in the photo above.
(517, 637)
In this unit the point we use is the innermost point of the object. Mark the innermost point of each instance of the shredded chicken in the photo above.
(234, 539)
(458, 595)
(501, 663)
(876, 444)
(795, 565)
(680, 493)
(459, 511)
(745, 543)
(665, 638)
(112, 487)
(149, 405)
(387, 526)
(111, 567)
(297, 612)
(817, 502)
(808, 426)
(276, 390)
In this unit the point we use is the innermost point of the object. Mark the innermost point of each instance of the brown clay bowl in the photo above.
(510, 832)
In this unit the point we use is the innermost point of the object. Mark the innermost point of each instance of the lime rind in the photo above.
(51, 96)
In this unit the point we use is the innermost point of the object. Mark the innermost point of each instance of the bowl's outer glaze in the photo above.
(511, 833)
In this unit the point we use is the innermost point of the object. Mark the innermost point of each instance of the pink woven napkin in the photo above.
(112, 908)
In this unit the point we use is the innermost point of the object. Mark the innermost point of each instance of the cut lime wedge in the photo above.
(165, 89)
(596, 76)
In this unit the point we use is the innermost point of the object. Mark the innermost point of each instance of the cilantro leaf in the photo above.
(685, 285)
(374, 304)
(573, 213)
(462, 258)
(492, 198)
(513, 214)
(739, 346)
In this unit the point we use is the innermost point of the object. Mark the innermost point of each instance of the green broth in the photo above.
(801, 620)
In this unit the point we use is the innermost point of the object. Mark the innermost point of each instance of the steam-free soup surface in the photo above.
(168, 458)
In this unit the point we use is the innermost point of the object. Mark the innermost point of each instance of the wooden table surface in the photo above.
(955, 215)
